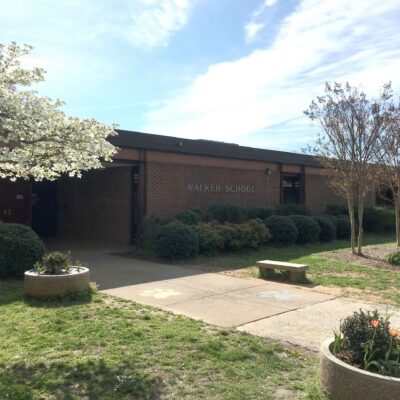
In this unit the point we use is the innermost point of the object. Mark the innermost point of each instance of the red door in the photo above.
(15, 202)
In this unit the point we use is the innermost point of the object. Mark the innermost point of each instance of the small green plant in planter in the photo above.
(366, 340)
(54, 263)
(57, 263)
(394, 258)
(55, 276)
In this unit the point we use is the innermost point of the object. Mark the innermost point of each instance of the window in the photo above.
(291, 189)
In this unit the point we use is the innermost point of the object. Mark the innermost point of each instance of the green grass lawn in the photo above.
(352, 279)
(109, 348)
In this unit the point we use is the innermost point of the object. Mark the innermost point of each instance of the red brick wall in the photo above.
(318, 194)
(96, 207)
(168, 193)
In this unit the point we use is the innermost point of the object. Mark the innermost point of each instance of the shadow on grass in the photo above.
(79, 380)
(11, 291)
(66, 300)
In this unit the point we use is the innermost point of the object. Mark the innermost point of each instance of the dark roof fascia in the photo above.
(170, 144)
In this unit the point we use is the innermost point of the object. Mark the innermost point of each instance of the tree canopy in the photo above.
(352, 127)
(37, 139)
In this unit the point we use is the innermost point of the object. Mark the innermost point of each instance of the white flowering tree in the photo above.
(37, 139)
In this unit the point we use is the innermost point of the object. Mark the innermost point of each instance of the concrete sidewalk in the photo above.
(289, 313)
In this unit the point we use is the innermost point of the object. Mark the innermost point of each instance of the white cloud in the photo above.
(323, 40)
(144, 23)
(270, 3)
(251, 31)
(155, 22)
(69, 37)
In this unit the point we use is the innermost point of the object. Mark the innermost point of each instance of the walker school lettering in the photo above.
(217, 188)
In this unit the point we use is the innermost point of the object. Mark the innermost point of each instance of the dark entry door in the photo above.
(15, 202)
(44, 208)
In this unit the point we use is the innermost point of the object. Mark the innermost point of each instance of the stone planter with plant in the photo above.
(362, 361)
(54, 276)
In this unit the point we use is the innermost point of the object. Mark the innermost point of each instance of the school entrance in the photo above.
(101, 206)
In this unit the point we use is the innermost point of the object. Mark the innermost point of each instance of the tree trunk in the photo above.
(397, 210)
(360, 223)
(350, 202)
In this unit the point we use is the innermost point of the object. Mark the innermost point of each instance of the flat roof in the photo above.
(148, 141)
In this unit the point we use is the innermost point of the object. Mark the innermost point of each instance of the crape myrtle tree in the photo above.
(37, 139)
(388, 156)
(351, 126)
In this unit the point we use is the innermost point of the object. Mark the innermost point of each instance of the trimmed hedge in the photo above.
(237, 236)
(177, 241)
(328, 229)
(189, 217)
(379, 219)
(261, 212)
(210, 239)
(226, 212)
(375, 219)
(151, 228)
(283, 229)
(307, 227)
(293, 209)
(20, 249)
(337, 209)
(233, 235)
(343, 227)
(257, 233)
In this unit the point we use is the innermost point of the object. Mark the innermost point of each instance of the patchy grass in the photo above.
(352, 280)
(107, 348)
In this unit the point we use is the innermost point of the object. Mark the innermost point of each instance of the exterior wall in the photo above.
(96, 207)
(318, 194)
(168, 186)
(15, 201)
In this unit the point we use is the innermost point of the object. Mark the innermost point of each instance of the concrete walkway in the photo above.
(284, 312)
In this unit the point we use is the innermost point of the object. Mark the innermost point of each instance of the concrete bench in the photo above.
(297, 272)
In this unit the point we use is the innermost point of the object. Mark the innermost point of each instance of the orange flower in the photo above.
(374, 323)
(394, 332)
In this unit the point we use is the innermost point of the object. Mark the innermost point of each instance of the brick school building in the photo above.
(163, 175)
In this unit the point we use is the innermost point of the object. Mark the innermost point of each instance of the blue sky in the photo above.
(238, 71)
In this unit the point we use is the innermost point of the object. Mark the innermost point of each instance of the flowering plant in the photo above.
(37, 139)
(366, 340)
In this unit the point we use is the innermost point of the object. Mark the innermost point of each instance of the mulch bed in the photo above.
(373, 256)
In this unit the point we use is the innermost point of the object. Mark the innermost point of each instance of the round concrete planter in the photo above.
(44, 285)
(343, 381)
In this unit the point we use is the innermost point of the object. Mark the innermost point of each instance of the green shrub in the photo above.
(225, 212)
(257, 233)
(343, 227)
(261, 212)
(56, 263)
(394, 258)
(210, 239)
(283, 229)
(375, 219)
(189, 217)
(337, 209)
(379, 219)
(20, 249)
(235, 236)
(151, 228)
(342, 223)
(307, 227)
(328, 229)
(293, 209)
(358, 330)
(177, 241)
